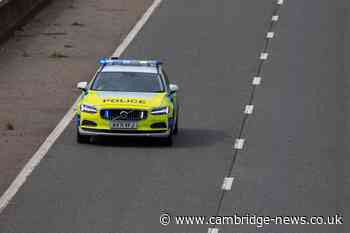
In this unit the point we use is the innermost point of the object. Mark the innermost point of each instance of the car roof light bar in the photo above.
(127, 62)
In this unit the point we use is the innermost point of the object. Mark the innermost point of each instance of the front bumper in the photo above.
(132, 133)
(145, 127)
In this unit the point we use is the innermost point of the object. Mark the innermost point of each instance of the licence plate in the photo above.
(123, 125)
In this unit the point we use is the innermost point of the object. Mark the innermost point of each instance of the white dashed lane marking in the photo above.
(275, 18)
(213, 230)
(239, 144)
(270, 35)
(264, 56)
(249, 109)
(227, 183)
(256, 81)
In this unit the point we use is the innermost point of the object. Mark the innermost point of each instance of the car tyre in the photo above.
(168, 141)
(82, 139)
(176, 129)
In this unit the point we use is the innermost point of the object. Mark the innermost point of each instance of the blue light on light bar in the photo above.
(107, 114)
(124, 62)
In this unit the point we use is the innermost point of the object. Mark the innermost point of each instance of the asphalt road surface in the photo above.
(294, 159)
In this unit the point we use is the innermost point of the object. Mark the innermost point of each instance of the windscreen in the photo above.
(127, 82)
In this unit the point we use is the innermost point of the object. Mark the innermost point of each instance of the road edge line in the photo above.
(35, 160)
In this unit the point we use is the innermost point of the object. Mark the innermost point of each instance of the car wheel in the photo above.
(176, 129)
(82, 139)
(168, 141)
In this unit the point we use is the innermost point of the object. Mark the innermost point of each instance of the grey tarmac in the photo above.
(294, 160)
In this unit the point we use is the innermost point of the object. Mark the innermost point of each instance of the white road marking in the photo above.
(50, 140)
(35, 160)
(249, 109)
(239, 143)
(227, 184)
(264, 56)
(256, 81)
(270, 35)
(275, 18)
(138, 26)
(213, 230)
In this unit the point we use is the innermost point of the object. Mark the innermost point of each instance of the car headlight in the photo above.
(160, 111)
(88, 108)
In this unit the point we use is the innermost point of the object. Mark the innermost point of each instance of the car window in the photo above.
(127, 82)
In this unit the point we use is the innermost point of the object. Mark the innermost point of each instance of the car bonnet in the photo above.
(124, 99)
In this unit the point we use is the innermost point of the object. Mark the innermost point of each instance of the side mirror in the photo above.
(82, 86)
(173, 88)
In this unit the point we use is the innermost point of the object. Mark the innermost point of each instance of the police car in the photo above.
(128, 98)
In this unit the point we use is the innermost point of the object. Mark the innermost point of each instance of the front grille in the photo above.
(123, 114)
